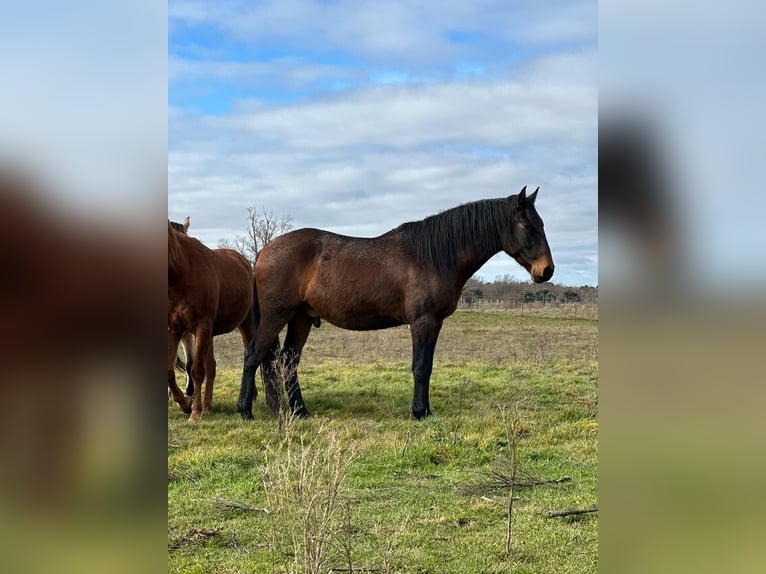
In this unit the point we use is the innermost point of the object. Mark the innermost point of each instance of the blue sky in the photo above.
(355, 116)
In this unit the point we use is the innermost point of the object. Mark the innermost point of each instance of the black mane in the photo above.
(437, 239)
(177, 226)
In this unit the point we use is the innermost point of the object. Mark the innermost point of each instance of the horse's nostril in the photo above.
(547, 272)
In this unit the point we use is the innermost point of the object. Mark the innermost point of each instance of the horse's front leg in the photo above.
(425, 332)
(203, 346)
(183, 401)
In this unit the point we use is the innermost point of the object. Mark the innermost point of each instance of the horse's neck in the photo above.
(470, 259)
(178, 263)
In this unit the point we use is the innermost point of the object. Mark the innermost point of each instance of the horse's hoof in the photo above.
(420, 415)
(246, 415)
(195, 417)
(301, 412)
(186, 407)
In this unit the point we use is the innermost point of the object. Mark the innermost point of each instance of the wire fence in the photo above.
(576, 310)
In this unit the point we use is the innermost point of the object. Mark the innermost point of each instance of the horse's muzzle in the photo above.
(545, 275)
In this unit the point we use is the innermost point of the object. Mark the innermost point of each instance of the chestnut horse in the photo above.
(188, 339)
(413, 275)
(209, 293)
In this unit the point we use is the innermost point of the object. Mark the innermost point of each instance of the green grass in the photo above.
(418, 493)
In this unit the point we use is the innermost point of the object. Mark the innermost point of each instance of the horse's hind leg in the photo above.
(297, 333)
(188, 342)
(247, 386)
(207, 401)
(270, 373)
(259, 348)
(247, 332)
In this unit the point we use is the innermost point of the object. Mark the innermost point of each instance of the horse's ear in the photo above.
(533, 195)
(522, 194)
(186, 224)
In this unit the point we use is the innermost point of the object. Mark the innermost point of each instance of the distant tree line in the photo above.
(509, 291)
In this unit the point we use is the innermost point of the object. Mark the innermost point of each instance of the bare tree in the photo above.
(262, 227)
(237, 244)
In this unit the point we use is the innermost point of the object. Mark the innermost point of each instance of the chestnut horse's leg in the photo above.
(188, 342)
(298, 330)
(183, 402)
(203, 345)
(425, 332)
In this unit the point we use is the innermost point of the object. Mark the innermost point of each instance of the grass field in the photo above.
(372, 490)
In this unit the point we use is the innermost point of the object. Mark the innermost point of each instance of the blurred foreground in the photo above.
(83, 147)
(681, 282)
(81, 302)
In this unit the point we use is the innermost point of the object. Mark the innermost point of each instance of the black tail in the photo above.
(256, 307)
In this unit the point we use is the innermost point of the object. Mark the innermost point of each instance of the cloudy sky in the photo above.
(355, 116)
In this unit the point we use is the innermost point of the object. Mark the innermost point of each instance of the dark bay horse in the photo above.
(209, 293)
(413, 275)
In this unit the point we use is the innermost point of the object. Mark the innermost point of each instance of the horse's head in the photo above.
(526, 241)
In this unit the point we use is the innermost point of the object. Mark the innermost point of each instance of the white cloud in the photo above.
(565, 23)
(281, 72)
(364, 162)
(395, 31)
(488, 114)
(560, 69)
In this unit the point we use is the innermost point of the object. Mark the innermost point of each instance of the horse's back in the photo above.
(232, 264)
(308, 255)
(354, 283)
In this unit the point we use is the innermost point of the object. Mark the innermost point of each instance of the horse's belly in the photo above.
(227, 322)
(357, 306)
(368, 323)
(355, 319)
